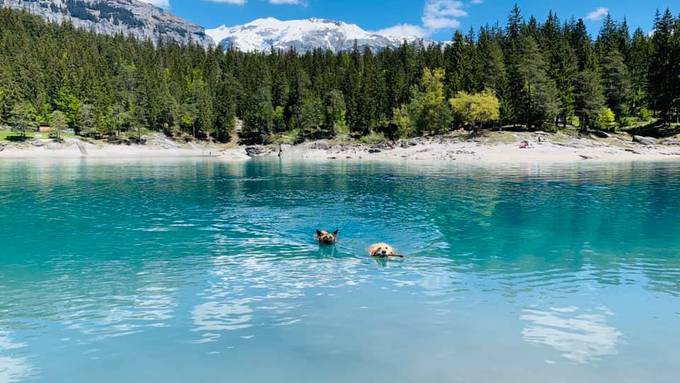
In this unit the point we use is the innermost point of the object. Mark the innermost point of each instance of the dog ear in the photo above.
(335, 233)
(318, 233)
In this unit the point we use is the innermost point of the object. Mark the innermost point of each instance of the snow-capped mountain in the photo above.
(301, 35)
(111, 17)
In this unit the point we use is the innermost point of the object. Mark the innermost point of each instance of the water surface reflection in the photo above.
(211, 266)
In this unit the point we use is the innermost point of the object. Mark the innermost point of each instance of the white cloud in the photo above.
(159, 3)
(598, 14)
(442, 14)
(403, 31)
(437, 15)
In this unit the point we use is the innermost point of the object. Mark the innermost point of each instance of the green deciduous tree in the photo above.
(476, 109)
(58, 124)
(22, 118)
(542, 72)
(70, 105)
(428, 111)
(605, 119)
(87, 120)
(336, 113)
(403, 117)
(313, 119)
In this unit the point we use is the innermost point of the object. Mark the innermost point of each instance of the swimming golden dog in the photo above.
(326, 238)
(383, 250)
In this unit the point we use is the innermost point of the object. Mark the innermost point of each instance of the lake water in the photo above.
(200, 271)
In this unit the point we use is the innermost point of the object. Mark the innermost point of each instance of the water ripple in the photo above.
(13, 368)
(121, 262)
(579, 335)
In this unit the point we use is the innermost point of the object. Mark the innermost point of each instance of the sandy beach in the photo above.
(491, 147)
(156, 147)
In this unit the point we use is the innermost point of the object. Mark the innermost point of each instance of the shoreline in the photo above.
(491, 148)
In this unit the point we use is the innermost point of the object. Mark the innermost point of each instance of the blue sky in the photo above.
(432, 18)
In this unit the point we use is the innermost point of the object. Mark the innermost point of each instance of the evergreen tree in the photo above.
(513, 55)
(367, 117)
(562, 64)
(638, 64)
(537, 96)
(675, 69)
(539, 72)
(258, 116)
(295, 99)
(564, 71)
(661, 81)
(607, 40)
(582, 45)
(589, 98)
(225, 109)
(471, 64)
(493, 74)
(615, 82)
(454, 57)
(515, 25)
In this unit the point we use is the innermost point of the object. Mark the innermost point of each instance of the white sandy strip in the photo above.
(459, 152)
(71, 150)
(469, 152)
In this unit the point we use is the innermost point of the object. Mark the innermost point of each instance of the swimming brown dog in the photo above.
(326, 238)
(383, 250)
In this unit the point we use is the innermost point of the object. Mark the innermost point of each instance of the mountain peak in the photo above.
(302, 35)
(326, 21)
(128, 17)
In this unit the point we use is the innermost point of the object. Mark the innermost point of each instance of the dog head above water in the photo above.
(382, 250)
(326, 238)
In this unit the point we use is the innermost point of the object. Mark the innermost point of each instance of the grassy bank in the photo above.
(12, 136)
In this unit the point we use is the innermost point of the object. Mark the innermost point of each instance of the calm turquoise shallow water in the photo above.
(207, 272)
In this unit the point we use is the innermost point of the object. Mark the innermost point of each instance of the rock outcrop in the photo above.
(112, 17)
(649, 141)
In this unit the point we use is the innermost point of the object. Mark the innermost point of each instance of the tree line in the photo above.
(528, 74)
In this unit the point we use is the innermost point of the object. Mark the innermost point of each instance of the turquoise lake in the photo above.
(203, 271)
